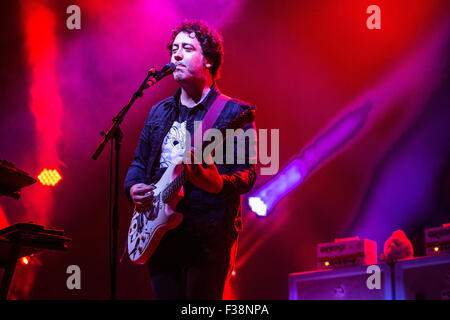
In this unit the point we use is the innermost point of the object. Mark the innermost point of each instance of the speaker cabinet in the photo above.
(340, 284)
(424, 278)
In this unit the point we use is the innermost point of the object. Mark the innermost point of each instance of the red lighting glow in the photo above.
(39, 25)
(49, 177)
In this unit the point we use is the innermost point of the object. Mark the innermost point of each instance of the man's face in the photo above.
(187, 54)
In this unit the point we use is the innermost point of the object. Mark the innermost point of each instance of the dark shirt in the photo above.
(208, 218)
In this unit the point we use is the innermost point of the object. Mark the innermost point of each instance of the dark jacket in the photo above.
(210, 217)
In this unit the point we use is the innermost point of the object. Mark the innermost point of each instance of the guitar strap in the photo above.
(210, 117)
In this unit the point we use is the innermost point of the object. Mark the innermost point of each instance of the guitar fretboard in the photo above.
(173, 186)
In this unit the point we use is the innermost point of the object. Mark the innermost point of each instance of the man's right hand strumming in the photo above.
(142, 196)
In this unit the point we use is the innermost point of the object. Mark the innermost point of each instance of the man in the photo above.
(192, 260)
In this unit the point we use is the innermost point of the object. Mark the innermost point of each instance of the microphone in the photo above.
(166, 70)
(169, 68)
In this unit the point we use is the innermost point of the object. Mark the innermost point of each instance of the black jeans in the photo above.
(184, 268)
(205, 282)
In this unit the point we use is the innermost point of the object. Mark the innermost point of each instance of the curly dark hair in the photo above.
(210, 41)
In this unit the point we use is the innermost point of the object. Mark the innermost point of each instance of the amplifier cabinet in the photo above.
(340, 284)
(424, 278)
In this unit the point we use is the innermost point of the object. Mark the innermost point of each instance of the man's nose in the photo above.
(178, 55)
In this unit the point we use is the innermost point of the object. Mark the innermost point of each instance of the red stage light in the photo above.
(49, 177)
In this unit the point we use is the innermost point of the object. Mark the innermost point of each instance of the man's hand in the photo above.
(207, 179)
(142, 196)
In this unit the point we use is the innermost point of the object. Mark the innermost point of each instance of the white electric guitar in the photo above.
(147, 228)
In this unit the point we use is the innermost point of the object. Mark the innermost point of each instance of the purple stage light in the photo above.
(267, 196)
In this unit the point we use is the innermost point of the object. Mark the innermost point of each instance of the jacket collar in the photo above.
(206, 103)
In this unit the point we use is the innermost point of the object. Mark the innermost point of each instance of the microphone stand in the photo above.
(115, 135)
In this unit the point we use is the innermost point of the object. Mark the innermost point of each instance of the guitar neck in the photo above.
(173, 186)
